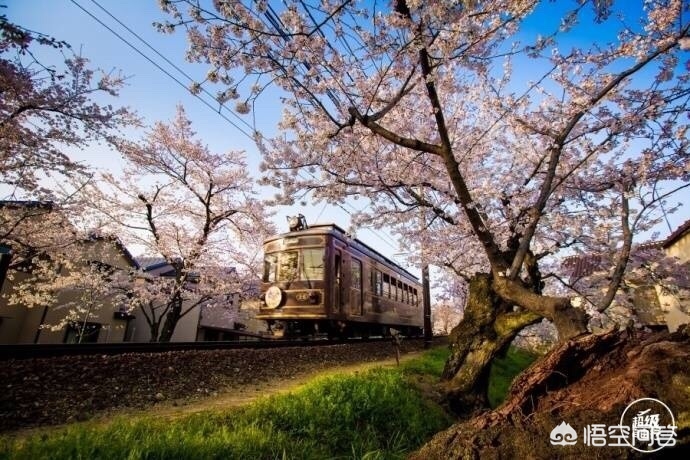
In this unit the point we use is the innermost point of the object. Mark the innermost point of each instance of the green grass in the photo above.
(431, 363)
(504, 370)
(374, 415)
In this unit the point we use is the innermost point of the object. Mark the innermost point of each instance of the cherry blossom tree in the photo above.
(46, 110)
(58, 267)
(195, 209)
(451, 295)
(445, 315)
(517, 148)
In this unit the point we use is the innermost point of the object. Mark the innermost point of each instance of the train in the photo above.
(320, 282)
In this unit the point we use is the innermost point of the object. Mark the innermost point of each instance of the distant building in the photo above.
(110, 321)
(676, 302)
(202, 323)
(654, 305)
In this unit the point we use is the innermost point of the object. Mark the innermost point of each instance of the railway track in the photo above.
(24, 351)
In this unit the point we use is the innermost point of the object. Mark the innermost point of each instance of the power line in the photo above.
(389, 241)
(172, 64)
(206, 103)
(323, 208)
(275, 22)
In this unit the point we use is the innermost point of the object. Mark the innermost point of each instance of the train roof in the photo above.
(321, 229)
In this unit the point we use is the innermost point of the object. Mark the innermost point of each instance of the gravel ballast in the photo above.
(49, 391)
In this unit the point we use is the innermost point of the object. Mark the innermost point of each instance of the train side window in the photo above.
(401, 294)
(414, 297)
(356, 272)
(406, 293)
(377, 282)
(386, 285)
(394, 288)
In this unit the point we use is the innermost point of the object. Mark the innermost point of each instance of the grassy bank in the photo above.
(504, 370)
(376, 414)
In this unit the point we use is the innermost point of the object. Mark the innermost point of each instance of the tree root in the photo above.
(586, 380)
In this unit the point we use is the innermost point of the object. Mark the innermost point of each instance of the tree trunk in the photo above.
(569, 321)
(488, 326)
(171, 320)
(153, 328)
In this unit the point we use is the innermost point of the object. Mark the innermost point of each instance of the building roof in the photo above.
(118, 244)
(15, 204)
(582, 265)
(585, 264)
(677, 234)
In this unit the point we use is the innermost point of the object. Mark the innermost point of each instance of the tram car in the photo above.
(320, 282)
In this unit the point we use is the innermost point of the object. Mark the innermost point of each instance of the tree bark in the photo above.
(171, 320)
(488, 327)
(590, 379)
(569, 321)
(153, 328)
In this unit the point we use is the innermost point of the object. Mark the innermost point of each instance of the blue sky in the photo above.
(154, 95)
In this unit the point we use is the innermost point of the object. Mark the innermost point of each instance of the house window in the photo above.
(82, 332)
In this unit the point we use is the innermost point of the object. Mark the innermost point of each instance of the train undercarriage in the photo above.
(334, 330)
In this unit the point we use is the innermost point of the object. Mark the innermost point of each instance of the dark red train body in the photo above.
(320, 281)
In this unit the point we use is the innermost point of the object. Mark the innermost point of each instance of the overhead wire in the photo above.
(274, 20)
(388, 240)
(175, 79)
(169, 62)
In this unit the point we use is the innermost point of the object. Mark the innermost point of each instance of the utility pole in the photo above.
(426, 295)
(5, 258)
(427, 306)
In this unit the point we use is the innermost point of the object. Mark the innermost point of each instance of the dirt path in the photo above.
(223, 399)
(240, 396)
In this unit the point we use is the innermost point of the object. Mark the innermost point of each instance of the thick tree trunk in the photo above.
(487, 328)
(569, 321)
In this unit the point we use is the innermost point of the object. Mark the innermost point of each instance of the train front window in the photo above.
(312, 264)
(304, 264)
(287, 270)
(270, 268)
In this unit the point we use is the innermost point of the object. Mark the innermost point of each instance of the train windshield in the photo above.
(294, 265)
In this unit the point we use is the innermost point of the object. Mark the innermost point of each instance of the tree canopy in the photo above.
(515, 146)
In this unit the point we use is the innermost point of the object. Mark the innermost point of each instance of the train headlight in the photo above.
(274, 296)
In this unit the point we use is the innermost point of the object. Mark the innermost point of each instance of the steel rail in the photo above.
(26, 351)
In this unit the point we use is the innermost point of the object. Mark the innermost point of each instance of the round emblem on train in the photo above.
(273, 297)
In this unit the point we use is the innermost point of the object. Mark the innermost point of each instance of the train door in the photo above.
(355, 287)
(338, 282)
